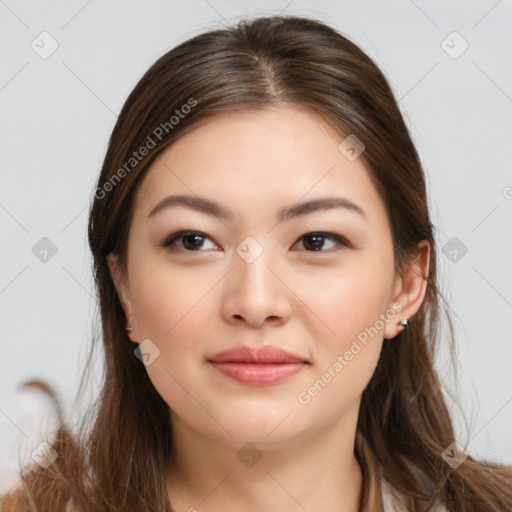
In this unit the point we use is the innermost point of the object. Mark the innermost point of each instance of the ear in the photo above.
(120, 280)
(410, 289)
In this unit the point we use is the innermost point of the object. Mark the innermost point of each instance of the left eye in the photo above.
(194, 240)
(317, 240)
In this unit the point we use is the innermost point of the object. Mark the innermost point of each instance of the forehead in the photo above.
(256, 158)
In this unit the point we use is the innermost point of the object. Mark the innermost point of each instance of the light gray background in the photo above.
(57, 114)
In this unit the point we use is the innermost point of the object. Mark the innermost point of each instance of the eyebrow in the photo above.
(204, 205)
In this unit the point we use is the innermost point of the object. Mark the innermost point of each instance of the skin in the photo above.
(193, 303)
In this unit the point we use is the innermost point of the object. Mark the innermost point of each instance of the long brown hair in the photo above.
(118, 462)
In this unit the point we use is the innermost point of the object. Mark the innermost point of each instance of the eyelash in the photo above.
(168, 243)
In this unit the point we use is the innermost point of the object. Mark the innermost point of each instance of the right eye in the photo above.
(191, 241)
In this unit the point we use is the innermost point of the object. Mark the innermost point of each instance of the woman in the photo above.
(266, 269)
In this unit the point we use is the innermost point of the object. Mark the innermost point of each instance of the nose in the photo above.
(256, 292)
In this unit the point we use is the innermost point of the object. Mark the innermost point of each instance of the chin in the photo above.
(266, 427)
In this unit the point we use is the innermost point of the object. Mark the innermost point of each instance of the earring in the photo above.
(403, 324)
(128, 327)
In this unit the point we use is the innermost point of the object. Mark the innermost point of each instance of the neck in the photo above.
(319, 472)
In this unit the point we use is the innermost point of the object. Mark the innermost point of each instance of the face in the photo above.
(316, 282)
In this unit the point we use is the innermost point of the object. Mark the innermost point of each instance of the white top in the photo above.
(392, 500)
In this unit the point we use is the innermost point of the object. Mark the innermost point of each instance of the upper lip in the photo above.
(261, 354)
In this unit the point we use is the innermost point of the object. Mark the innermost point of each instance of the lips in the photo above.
(257, 366)
(262, 354)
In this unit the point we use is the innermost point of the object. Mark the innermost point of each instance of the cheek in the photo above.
(165, 299)
(345, 361)
(352, 304)
(172, 311)
(348, 301)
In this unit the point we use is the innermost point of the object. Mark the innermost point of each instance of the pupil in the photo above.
(319, 242)
(193, 245)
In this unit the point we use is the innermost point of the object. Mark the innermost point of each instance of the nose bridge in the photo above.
(255, 291)
(251, 270)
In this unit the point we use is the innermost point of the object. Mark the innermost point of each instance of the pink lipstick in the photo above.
(257, 366)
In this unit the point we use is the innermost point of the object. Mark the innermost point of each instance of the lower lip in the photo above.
(258, 374)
